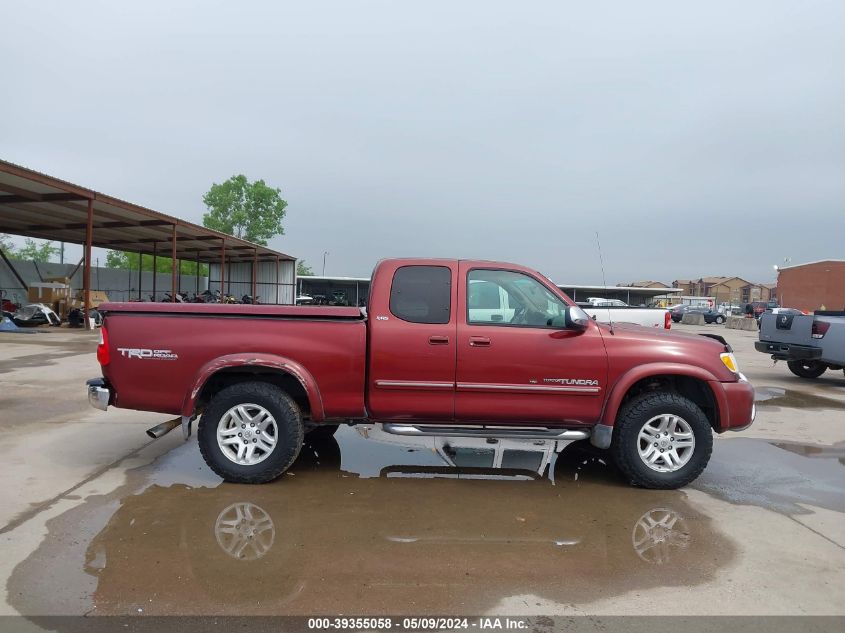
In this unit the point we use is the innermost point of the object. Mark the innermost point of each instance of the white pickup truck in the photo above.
(616, 311)
(494, 305)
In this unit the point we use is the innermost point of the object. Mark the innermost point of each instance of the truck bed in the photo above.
(163, 353)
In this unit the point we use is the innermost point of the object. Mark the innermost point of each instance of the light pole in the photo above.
(324, 262)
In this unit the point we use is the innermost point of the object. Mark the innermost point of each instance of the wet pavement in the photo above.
(772, 397)
(360, 525)
(105, 522)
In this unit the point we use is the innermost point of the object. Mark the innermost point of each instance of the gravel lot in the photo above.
(96, 518)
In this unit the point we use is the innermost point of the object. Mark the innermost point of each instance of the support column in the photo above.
(155, 270)
(277, 281)
(197, 275)
(173, 265)
(222, 269)
(254, 271)
(86, 273)
(140, 272)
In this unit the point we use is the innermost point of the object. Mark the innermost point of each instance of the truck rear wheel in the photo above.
(806, 368)
(250, 433)
(662, 440)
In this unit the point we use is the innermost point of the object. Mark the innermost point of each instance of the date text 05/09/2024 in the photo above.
(430, 623)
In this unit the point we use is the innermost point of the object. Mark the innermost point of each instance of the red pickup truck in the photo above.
(435, 355)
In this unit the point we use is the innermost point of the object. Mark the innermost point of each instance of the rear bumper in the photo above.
(740, 409)
(99, 393)
(788, 351)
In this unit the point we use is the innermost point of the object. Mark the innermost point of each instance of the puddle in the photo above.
(776, 476)
(367, 521)
(836, 452)
(777, 397)
(47, 359)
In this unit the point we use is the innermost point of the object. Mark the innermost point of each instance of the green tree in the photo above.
(6, 245)
(248, 210)
(123, 259)
(34, 252)
(303, 269)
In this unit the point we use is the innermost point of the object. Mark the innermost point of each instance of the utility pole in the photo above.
(324, 263)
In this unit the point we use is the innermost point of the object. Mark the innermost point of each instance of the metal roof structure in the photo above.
(636, 289)
(33, 204)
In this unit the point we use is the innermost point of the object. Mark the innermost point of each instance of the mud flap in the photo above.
(187, 421)
(601, 435)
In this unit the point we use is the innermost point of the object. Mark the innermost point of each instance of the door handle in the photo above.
(438, 340)
(479, 341)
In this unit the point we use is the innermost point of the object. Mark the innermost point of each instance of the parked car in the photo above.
(35, 314)
(433, 357)
(678, 312)
(600, 302)
(710, 315)
(759, 307)
(809, 343)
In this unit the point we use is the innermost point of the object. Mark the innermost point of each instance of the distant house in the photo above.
(686, 285)
(732, 290)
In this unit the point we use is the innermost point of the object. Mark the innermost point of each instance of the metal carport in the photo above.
(36, 205)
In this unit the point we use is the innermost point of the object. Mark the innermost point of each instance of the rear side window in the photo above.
(422, 294)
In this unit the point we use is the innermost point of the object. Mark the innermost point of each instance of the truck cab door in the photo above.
(525, 368)
(412, 328)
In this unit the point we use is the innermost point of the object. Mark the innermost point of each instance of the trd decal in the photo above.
(147, 354)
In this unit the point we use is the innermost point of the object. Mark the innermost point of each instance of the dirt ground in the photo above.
(96, 518)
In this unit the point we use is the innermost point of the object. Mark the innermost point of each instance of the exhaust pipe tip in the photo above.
(160, 430)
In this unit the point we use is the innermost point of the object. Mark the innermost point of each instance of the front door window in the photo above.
(504, 297)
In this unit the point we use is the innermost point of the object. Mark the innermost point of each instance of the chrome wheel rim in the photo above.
(666, 443)
(244, 531)
(247, 434)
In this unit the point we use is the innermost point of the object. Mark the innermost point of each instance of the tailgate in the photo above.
(796, 329)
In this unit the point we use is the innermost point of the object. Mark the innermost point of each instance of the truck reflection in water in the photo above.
(365, 523)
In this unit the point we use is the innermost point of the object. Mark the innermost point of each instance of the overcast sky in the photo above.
(696, 138)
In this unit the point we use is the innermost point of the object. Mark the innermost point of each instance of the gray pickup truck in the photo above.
(809, 343)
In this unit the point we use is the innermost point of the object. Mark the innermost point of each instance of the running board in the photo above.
(486, 431)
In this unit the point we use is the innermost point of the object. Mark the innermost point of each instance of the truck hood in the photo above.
(640, 345)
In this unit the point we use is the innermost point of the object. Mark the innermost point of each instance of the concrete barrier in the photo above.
(741, 323)
(694, 318)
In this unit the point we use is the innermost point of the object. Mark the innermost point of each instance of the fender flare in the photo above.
(624, 383)
(272, 361)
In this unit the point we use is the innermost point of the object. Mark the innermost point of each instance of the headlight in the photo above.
(729, 361)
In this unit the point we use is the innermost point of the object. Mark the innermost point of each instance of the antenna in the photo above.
(604, 281)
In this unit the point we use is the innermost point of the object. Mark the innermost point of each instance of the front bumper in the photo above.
(741, 410)
(99, 394)
(788, 351)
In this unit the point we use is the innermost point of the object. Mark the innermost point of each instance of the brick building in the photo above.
(813, 286)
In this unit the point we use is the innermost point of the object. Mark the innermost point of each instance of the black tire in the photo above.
(631, 419)
(288, 441)
(720, 320)
(806, 368)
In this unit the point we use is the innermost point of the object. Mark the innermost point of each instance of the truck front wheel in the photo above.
(250, 433)
(662, 440)
(806, 368)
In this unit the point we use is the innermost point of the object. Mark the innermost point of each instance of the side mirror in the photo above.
(573, 318)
